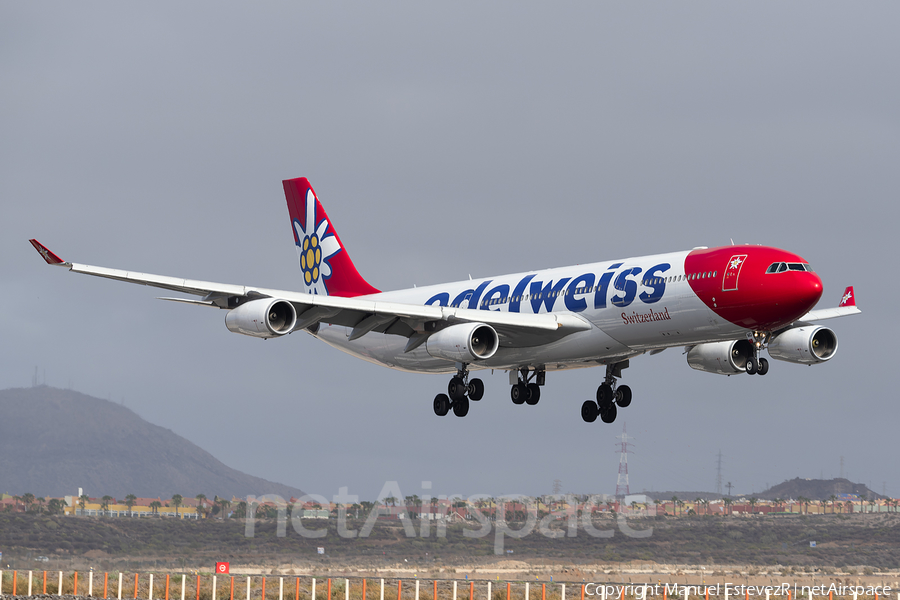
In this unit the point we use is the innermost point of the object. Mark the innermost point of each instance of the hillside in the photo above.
(816, 489)
(54, 441)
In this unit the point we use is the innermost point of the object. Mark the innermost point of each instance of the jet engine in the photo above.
(805, 345)
(464, 343)
(265, 318)
(724, 358)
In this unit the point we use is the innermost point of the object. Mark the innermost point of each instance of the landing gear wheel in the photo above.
(441, 405)
(461, 407)
(456, 389)
(763, 366)
(604, 394)
(623, 396)
(752, 366)
(534, 394)
(476, 390)
(609, 414)
(589, 411)
(518, 393)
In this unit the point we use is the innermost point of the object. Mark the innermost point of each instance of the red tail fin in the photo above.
(326, 266)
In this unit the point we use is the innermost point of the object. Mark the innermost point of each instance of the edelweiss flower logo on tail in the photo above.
(315, 245)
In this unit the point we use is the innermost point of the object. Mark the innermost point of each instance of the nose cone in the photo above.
(780, 300)
(755, 287)
(801, 295)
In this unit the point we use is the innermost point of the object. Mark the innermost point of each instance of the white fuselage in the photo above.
(633, 305)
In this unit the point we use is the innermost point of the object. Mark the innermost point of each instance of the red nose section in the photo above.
(756, 287)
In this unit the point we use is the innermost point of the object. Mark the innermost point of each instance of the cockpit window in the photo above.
(784, 267)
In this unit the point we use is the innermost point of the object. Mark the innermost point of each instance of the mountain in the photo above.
(816, 489)
(54, 441)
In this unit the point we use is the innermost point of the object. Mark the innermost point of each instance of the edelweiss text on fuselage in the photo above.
(574, 291)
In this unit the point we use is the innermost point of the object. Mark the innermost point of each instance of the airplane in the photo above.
(724, 305)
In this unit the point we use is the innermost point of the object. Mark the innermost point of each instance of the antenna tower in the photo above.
(622, 481)
(719, 473)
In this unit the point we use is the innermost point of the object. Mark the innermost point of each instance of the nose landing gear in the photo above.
(755, 364)
(460, 390)
(610, 396)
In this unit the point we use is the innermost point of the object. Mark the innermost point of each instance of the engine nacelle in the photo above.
(724, 358)
(805, 345)
(465, 343)
(265, 318)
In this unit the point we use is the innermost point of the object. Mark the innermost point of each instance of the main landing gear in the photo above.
(609, 396)
(755, 364)
(526, 385)
(460, 390)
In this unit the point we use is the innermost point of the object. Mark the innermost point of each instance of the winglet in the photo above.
(51, 258)
(849, 298)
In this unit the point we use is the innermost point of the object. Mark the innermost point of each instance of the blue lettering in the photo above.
(497, 293)
(471, 295)
(516, 299)
(628, 286)
(473, 301)
(442, 299)
(603, 286)
(659, 287)
(463, 295)
(547, 295)
(585, 281)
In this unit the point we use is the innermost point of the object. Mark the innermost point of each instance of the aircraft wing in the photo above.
(846, 307)
(363, 314)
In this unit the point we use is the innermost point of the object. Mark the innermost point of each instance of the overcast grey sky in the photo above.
(448, 139)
